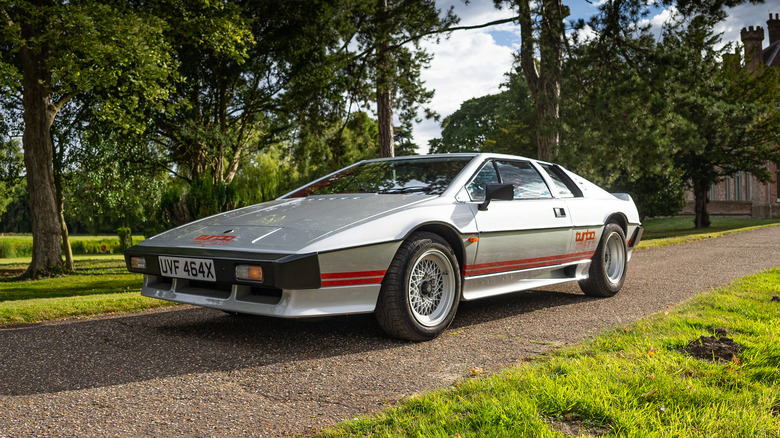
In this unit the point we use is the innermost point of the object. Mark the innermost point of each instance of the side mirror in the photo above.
(503, 192)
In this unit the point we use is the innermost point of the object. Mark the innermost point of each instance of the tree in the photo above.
(112, 184)
(728, 120)
(10, 171)
(615, 116)
(55, 51)
(542, 31)
(389, 51)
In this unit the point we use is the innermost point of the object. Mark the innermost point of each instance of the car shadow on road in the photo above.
(82, 354)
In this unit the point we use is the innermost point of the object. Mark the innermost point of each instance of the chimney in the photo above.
(773, 25)
(752, 39)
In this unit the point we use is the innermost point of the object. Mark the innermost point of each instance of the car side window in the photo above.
(564, 187)
(487, 175)
(528, 183)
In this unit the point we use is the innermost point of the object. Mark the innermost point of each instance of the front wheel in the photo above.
(608, 268)
(421, 289)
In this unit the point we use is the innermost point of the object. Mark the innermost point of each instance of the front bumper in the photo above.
(282, 271)
(286, 303)
(293, 286)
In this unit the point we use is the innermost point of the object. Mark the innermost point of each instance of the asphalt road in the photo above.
(198, 372)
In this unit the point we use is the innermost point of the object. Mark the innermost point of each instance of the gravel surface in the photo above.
(199, 372)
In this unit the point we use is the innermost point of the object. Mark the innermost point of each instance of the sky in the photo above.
(473, 63)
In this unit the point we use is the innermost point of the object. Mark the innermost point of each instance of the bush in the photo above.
(125, 238)
(102, 246)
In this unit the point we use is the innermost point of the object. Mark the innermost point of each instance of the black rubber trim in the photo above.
(637, 237)
(283, 271)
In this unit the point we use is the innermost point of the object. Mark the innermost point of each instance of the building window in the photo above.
(712, 192)
(777, 181)
(738, 186)
(748, 186)
(728, 188)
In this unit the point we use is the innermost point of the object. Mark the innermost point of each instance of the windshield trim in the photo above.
(313, 187)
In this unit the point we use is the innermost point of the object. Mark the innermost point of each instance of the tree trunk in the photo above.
(545, 81)
(384, 85)
(38, 117)
(385, 114)
(69, 265)
(701, 195)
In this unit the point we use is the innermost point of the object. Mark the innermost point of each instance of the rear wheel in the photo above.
(608, 267)
(421, 289)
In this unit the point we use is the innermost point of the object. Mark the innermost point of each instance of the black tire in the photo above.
(608, 268)
(421, 289)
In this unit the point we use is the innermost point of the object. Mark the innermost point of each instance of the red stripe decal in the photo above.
(335, 279)
(516, 265)
(353, 274)
(359, 281)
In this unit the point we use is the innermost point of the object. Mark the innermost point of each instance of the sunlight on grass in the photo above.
(100, 284)
(633, 381)
(49, 309)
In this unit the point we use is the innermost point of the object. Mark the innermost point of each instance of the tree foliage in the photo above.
(654, 115)
(52, 51)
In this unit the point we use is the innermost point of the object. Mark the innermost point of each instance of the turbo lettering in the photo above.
(206, 239)
(585, 236)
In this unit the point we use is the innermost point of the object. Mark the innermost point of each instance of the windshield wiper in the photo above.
(404, 190)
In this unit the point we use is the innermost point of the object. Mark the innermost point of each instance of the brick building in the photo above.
(741, 193)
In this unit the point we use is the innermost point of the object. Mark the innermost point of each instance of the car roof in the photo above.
(483, 155)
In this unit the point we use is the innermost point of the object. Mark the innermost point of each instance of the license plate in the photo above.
(192, 269)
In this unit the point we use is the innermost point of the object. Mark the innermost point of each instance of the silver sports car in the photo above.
(407, 238)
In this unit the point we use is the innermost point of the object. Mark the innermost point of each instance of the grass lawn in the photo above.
(635, 381)
(99, 285)
(20, 245)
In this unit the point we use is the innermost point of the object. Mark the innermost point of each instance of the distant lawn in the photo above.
(20, 245)
(671, 231)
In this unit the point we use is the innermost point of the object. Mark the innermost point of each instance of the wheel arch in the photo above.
(619, 219)
(449, 234)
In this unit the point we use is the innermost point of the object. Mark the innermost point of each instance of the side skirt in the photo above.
(482, 286)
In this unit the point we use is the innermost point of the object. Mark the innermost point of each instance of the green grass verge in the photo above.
(631, 382)
(672, 231)
(99, 285)
(50, 309)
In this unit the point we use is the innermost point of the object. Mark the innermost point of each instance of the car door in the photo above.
(522, 238)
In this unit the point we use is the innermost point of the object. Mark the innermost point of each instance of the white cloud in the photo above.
(469, 64)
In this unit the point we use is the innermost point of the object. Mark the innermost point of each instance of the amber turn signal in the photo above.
(249, 272)
(137, 262)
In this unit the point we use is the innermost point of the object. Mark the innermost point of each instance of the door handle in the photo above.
(559, 212)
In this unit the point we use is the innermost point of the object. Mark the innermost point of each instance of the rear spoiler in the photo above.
(622, 196)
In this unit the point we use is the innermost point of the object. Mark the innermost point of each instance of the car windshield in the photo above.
(430, 176)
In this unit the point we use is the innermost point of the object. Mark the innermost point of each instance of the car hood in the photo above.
(284, 225)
